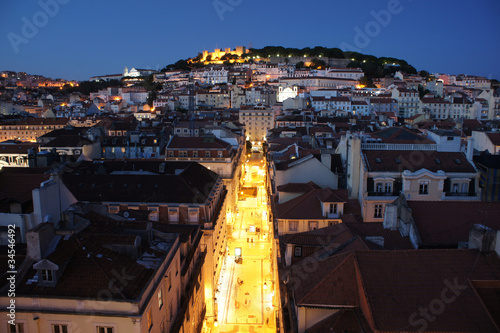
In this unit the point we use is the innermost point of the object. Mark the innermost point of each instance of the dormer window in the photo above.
(47, 273)
(219, 153)
(207, 153)
(195, 153)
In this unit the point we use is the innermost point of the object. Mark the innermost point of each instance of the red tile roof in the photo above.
(17, 184)
(387, 160)
(401, 135)
(494, 138)
(308, 205)
(298, 187)
(179, 142)
(391, 287)
(445, 223)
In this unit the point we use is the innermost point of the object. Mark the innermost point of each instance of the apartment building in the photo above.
(88, 274)
(258, 121)
(30, 129)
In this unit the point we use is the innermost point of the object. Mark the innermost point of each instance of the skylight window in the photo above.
(378, 160)
(437, 160)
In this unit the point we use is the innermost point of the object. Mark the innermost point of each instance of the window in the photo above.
(378, 211)
(379, 187)
(105, 329)
(171, 153)
(293, 226)
(195, 153)
(455, 188)
(59, 328)
(47, 275)
(298, 251)
(388, 187)
(160, 299)
(17, 328)
(313, 225)
(424, 188)
(333, 208)
(207, 154)
(150, 319)
(183, 153)
(219, 154)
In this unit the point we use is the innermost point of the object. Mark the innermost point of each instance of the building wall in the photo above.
(124, 316)
(482, 142)
(257, 123)
(304, 225)
(307, 317)
(310, 170)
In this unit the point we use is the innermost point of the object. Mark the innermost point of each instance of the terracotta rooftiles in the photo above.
(399, 160)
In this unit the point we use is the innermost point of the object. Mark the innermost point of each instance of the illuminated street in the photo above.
(245, 297)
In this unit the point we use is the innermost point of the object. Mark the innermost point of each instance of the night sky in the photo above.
(80, 39)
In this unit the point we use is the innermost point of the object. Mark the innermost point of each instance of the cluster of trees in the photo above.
(315, 64)
(374, 67)
(318, 51)
(86, 87)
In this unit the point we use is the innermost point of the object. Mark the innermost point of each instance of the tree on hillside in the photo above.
(299, 65)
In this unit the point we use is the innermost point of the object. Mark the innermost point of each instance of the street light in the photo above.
(216, 323)
(265, 286)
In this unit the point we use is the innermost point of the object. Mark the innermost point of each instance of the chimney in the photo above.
(326, 159)
(470, 149)
(482, 238)
(38, 240)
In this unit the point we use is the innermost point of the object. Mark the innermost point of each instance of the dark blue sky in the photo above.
(81, 39)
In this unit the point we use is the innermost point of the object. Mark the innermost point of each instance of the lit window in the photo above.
(160, 299)
(293, 226)
(105, 329)
(150, 319)
(313, 225)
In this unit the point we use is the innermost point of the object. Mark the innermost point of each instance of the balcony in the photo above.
(460, 194)
(383, 194)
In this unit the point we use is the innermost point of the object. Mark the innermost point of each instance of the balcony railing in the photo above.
(460, 194)
(383, 194)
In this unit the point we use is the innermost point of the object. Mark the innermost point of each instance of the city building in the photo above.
(258, 120)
